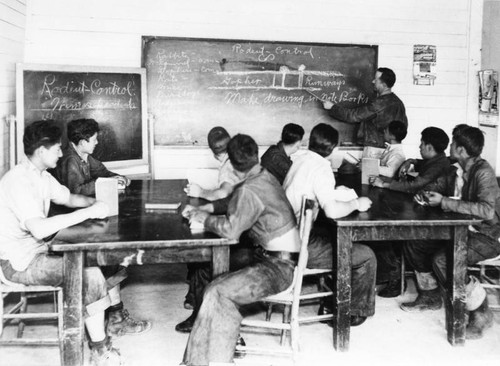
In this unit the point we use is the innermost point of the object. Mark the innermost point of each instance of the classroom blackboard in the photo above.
(114, 97)
(252, 87)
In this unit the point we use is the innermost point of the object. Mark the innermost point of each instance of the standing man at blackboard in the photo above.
(376, 115)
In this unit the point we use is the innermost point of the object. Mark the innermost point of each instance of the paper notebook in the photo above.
(106, 190)
(369, 167)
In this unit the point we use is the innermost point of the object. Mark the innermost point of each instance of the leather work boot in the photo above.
(120, 323)
(426, 300)
(103, 354)
(393, 289)
(187, 325)
(479, 320)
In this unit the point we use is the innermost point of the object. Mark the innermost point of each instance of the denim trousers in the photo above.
(364, 268)
(430, 255)
(240, 256)
(47, 270)
(215, 331)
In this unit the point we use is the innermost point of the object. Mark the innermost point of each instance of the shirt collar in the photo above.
(75, 151)
(470, 163)
(28, 164)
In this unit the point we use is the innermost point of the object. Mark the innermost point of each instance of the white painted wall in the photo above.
(490, 59)
(108, 33)
(12, 27)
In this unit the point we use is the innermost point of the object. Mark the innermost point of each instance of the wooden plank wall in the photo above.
(12, 28)
(96, 32)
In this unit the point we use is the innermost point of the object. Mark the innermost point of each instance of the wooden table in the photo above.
(135, 236)
(395, 216)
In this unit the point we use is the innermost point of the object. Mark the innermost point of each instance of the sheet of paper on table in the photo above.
(369, 167)
(106, 190)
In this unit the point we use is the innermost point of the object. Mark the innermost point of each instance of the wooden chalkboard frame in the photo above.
(198, 110)
(141, 165)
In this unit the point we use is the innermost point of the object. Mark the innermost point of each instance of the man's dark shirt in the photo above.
(276, 161)
(429, 170)
(80, 176)
(373, 117)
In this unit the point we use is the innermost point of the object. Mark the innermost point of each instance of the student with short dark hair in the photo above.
(277, 158)
(218, 138)
(26, 192)
(433, 164)
(311, 175)
(480, 197)
(259, 205)
(393, 156)
(78, 169)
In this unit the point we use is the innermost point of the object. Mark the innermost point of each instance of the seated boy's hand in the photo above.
(193, 190)
(405, 167)
(122, 181)
(99, 210)
(188, 211)
(198, 216)
(364, 204)
(433, 198)
(376, 182)
(420, 199)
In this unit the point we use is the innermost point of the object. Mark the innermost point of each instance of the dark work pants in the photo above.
(388, 256)
(430, 256)
(216, 329)
(364, 268)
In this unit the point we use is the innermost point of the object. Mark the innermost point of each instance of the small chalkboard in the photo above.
(252, 87)
(114, 97)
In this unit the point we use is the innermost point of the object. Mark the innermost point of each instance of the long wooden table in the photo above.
(395, 216)
(135, 236)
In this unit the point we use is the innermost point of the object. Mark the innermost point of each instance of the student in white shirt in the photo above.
(393, 155)
(311, 175)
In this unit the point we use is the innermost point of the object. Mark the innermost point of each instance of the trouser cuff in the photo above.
(426, 281)
(116, 307)
(98, 306)
(474, 294)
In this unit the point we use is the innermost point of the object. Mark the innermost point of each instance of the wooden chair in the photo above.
(489, 275)
(292, 297)
(19, 312)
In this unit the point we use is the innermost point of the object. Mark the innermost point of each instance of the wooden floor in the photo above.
(391, 337)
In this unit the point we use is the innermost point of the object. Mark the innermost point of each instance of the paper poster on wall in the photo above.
(424, 64)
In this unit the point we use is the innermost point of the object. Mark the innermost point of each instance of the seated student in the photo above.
(311, 175)
(393, 156)
(25, 195)
(78, 169)
(218, 139)
(481, 198)
(433, 164)
(258, 204)
(277, 158)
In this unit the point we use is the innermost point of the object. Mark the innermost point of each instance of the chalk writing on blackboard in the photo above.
(252, 87)
(113, 97)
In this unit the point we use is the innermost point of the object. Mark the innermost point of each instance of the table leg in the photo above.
(73, 311)
(342, 289)
(456, 273)
(220, 260)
